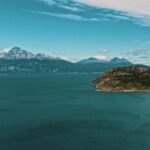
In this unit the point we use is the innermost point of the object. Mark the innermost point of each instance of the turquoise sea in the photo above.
(64, 112)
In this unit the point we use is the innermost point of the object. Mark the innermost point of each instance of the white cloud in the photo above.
(146, 43)
(118, 17)
(49, 2)
(101, 57)
(138, 7)
(63, 4)
(138, 52)
(70, 58)
(71, 8)
(67, 16)
(135, 8)
(140, 56)
(105, 50)
(141, 60)
(137, 11)
(5, 50)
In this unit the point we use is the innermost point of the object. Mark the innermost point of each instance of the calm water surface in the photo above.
(63, 112)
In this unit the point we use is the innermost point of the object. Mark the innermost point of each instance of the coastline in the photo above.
(124, 91)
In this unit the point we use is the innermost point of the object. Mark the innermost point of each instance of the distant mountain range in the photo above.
(21, 61)
(113, 61)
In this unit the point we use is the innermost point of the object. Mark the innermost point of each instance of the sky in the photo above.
(78, 29)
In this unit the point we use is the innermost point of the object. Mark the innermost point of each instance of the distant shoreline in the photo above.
(124, 91)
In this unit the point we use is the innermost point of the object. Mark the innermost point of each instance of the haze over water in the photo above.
(64, 112)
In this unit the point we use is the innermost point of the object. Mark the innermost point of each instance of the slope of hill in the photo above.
(133, 78)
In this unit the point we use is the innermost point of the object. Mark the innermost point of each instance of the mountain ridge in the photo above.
(114, 60)
(18, 60)
(18, 53)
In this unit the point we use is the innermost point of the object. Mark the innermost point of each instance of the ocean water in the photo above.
(64, 112)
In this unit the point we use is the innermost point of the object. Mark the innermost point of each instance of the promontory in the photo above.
(124, 79)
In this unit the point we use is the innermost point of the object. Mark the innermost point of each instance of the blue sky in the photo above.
(76, 29)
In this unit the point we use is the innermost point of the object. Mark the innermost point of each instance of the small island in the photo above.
(124, 79)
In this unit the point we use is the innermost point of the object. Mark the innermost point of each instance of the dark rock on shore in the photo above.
(133, 78)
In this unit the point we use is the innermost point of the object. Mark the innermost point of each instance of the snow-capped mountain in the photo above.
(18, 53)
(21, 61)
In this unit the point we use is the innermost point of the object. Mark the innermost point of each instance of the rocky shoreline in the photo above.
(124, 79)
(125, 91)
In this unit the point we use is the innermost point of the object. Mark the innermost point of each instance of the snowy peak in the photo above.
(18, 53)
